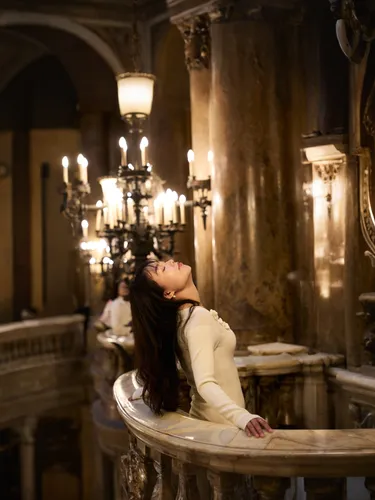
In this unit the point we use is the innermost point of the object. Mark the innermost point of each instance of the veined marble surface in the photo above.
(314, 453)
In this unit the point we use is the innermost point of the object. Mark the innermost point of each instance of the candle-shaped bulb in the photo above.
(143, 145)
(124, 148)
(123, 144)
(80, 158)
(85, 227)
(65, 164)
(182, 201)
(98, 222)
(210, 156)
(190, 157)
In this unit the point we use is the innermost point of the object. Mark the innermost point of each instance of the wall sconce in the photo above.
(327, 161)
(201, 186)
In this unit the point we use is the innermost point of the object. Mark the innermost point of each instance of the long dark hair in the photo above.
(155, 326)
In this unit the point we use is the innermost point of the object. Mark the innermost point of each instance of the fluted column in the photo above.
(248, 121)
(195, 32)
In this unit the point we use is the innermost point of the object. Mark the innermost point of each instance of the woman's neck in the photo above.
(189, 293)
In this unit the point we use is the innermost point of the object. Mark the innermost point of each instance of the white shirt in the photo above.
(120, 317)
(208, 346)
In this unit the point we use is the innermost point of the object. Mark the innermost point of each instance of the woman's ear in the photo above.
(169, 295)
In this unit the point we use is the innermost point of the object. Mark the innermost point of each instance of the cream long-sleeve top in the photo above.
(207, 346)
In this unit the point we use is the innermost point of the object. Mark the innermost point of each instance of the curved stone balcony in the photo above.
(42, 366)
(175, 456)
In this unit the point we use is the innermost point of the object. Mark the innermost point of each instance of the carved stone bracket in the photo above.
(328, 171)
(196, 35)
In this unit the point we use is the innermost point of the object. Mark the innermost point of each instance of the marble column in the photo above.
(27, 453)
(195, 33)
(248, 127)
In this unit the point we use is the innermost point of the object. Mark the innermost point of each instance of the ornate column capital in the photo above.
(196, 34)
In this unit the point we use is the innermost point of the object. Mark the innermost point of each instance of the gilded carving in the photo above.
(324, 488)
(271, 488)
(227, 486)
(196, 35)
(327, 172)
(367, 216)
(135, 472)
(355, 26)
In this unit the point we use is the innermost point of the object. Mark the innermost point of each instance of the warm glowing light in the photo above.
(190, 155)
(65, 162)
(144, 143)
(80, 158)
(135, 93)
(99, 204)
(317, 188)
(210, 156)
(123, 144)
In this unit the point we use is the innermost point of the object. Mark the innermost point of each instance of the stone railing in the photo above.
(175, 456)
(41, 366)
(353, 399)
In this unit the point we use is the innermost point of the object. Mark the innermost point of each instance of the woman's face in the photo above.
(171, 276)
(123, 289)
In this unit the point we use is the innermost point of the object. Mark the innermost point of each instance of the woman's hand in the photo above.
(256, 427)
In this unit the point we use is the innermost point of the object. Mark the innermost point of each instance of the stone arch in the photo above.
(14, 18)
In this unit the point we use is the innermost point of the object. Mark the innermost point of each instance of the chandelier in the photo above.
(136, 218)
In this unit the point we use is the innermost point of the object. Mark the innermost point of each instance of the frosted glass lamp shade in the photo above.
(135, 93)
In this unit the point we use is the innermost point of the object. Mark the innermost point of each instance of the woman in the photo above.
(117, 313)
(170, 324)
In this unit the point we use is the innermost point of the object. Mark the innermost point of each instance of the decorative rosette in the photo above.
(219, 320)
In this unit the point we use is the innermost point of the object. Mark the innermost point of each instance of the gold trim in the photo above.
(367, 216)
(121, 76)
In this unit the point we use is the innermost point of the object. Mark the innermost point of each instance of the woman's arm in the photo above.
(201, 343)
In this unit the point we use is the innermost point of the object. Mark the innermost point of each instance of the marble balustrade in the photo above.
(41, 365)
(42, 369)
(175, 456)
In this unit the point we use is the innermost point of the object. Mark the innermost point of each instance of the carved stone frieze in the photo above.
(196, 35)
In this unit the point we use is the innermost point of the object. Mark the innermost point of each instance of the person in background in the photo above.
(117, 315)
